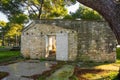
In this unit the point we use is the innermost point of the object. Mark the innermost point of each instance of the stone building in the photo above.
(69, 40)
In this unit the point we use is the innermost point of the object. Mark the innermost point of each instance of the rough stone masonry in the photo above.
(86, 40)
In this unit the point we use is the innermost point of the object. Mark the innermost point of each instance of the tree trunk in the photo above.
(40, 10)
(110, 10)
(3, 37)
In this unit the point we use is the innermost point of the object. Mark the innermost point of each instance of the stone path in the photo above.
(27, 68)
(63, 73)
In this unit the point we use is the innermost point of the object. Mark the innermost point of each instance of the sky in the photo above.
(3, 17)
(72, 8)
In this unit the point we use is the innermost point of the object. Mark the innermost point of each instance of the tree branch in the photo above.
(105, 7)
(97, 4)
(30, 7)
(35, 6)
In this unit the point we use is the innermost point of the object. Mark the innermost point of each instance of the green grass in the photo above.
(73, 77)
(2, 46)
(111, 75)
(5, 55)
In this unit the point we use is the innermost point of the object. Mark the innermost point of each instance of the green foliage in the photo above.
(32, 16)
(73, 1)
(118, 53)
(9, 31)
(2, 47)
(14, 29)
(53, 9)
(89, 14)
(86, 13)
(10, 7)
(3, 30)
(42, 78)
(68, 17)
(42, 59)
(2, 24)
(19, 18)
(73, 77)
(112, 76)
(69, 2)
(50, 9)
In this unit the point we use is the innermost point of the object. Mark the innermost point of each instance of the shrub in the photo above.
(118, 53)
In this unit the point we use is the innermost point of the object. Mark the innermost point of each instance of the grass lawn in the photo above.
(90, 71)
(6, 55)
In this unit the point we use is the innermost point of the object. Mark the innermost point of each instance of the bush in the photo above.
(15, 49)
(2, 46)
(113, 76)
(118, 53)
(73, 77)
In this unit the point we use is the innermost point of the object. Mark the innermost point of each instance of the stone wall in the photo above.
(33, 39)
(88, 40)
(96, 42)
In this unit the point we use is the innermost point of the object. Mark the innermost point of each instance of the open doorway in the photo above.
(50, 46)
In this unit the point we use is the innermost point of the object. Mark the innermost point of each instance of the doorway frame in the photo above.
(47, 44)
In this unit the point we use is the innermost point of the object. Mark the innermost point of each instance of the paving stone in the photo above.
(27, 68)
(63, 73)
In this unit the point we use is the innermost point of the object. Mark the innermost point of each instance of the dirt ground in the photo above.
(86, 74)
(3, 74)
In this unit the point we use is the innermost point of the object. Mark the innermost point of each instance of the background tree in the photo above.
(56, 9)
(14, 33)
(3, 30)
(19, 18)
(10, 32)
(50, 8)
(19, 11)
(10, 7)
(109, 9)
(86, 13)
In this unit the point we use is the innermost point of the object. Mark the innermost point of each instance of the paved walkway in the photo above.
(27, 68)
